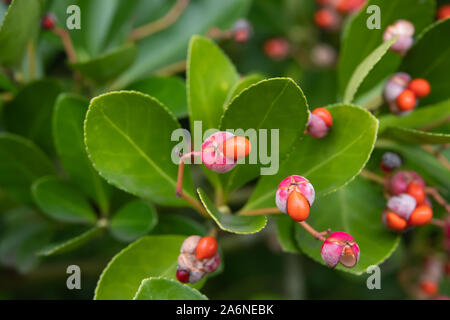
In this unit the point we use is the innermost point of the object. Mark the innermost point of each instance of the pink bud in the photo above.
(212, 156)
(316, 128)
(405, 31)
(399, 182)
(395, 85)
(290, 184)
(340, 247)
(403, 205)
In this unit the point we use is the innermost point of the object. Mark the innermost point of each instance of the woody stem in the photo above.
(438, 198)
(314, 232)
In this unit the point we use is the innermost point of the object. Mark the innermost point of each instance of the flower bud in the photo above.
(405, 31)
(399, 182)
(340, 247)
(288, 185)
(403, 205)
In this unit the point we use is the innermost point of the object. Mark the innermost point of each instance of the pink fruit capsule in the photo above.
(403, 205)
(316, 127)
(212, 153)
(402, 29)
(288, 185)
(400, 181)
(340, 247)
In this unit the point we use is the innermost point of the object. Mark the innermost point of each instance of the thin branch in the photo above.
(314, 232)
(258, 212)
(67, 43)
(438, 222)
(443, 160)
(435, 124)
(160, 24)
(372, 176)
(437, 197)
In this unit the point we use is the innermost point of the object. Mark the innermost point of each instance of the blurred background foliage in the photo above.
(256, 267)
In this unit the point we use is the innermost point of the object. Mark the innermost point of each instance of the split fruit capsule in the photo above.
(295, 195)
(319, 123)
(399, 182)
(340, 247)
(222, 150)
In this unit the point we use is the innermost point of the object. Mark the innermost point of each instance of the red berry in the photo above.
(277, 48)
(420, 87)
(235, 147)
(182, 276)
(206, 248)
(324, 18)
(406, 100)
(420, 216)
(429, 287)
(297, 206)
(416, 191)
(443, 12)
(48, 22)
(394, 221)
(345, 6)
(325, 115)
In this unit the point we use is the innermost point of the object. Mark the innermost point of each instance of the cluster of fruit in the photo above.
(331, 12)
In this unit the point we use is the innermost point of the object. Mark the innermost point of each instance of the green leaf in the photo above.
(428, 59)
(270, 104)
(286, 233)
(61, 201)
(106, 67)
(29, 114)
(68, 121)
(210, 76)
(133, 220)
(412, 136)
(243, 84)
(329, 163)
(178, 224)
(165, 289)
(71, 244)
(359, 41)
(155, 52)
(171, 91)
(355, 209)
(18, 26)
(419, 118)
(21, 163)
(230, 222)
(151, 256)
(128, 138)
(364, 69)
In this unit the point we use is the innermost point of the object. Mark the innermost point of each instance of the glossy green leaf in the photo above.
(428, 59)
(104, 68)
(21, 163)
(133, 220)
(210, 76)
(355, 209)
(18, 26)
(277, 104)
(151, 256)
(286, 233)
(171, 91)
(128, 138)
(329, 163)
(178, 224)
(71, 244)
(421, 117)
(359, 41)
(165, 289)
(155, 52)
(243, 84)
(232, 222)
(29, 114)
(61, 201)
(413, 136)
(364, 68)
(68, 120)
